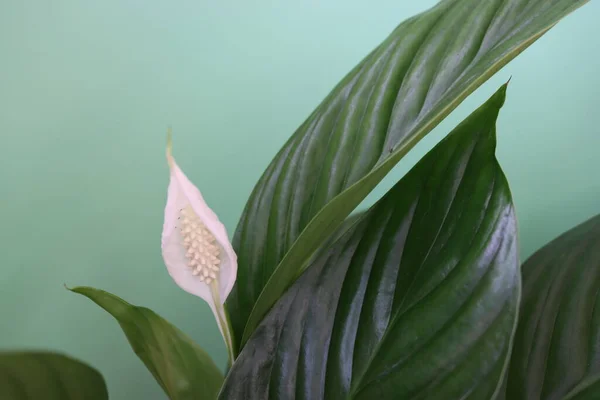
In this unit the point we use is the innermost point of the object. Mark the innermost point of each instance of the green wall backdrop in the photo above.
(88, 88)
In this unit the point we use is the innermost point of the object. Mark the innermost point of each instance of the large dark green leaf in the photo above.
(557, 343)
(179, 365)
(374, 116)
(417, 300)
(36, 375)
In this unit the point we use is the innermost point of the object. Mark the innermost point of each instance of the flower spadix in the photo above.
(196, 247)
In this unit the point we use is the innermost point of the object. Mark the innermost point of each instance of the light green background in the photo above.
(88, 88)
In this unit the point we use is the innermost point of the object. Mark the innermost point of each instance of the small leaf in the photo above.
(417, 300)
(36, 375)
(557, 340)
(179, 365)
(426, 67)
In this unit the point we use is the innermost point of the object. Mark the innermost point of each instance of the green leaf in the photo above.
(417, 300)
(283, 274)
(36, 375)
(589, 389)
(426, 67)
(557, 340)
(179, 365)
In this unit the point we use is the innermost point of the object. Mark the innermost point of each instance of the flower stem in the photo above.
(223, 321)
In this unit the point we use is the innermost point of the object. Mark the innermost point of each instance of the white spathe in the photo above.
(195, 246)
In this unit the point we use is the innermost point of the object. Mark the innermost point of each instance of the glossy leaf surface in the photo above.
(557, 344)
(36, 375)
(372, 118)
(417, 300)
(179, 365)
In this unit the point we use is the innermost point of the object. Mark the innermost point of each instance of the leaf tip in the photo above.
(500, 96)
(76, 289)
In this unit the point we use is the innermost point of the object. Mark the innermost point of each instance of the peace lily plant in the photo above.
(421, 296)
